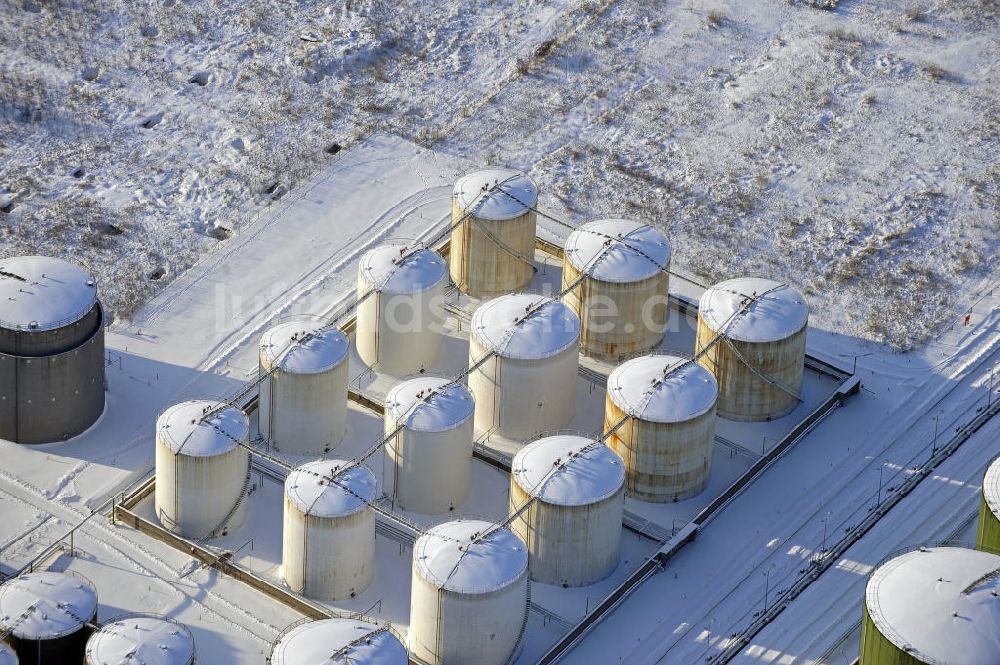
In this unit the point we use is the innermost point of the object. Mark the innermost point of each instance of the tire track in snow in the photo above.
(305, 285)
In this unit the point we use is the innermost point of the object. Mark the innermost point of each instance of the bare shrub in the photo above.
(815, 4)
(714, 19)
(935, 72)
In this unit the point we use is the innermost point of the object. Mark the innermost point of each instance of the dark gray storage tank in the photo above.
(51, 350)
(47, 616)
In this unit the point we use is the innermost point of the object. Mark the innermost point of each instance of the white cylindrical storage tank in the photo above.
(400, 325)
(933, 606)
(667, 440)
(7, 655)
(759, 360)
(573, 526)
(621, 266)
(338, 642)
(529, 385)
(328, 543)
(303, 397)
(202, 468)
(45, 616)
(492, 251)
(427, 466)
(469, 599)
(141, 640)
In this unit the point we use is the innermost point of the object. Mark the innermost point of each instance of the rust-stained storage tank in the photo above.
(492, 251)
(51, 350)
(666, 442)
(759, 355)
(567, 493)
(988, 535)
(621, 298)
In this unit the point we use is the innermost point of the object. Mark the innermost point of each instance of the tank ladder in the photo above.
(763, 375)
(21, 618)
(516, 651)
(244, 493)
(988, 577)
(343, 651)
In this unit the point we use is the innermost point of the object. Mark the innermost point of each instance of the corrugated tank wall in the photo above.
(329, 558)
(569, 545)
(637, 321)
(479, 266)
(743, 393)
(663, 461)
(876, 649)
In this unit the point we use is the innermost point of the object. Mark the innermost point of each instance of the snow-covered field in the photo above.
(849, 151)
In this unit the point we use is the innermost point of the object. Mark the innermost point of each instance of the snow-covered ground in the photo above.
(823, 625)
(848, 151)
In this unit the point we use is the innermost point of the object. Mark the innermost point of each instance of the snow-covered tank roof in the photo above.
(501, 325)
(303, 347)
(311, 490)
(42, 293)
(338, 642)
(515, 196)
(184, 429)
(778, 312)
(447, 557)
(939, 604)
(568, 470)
(662, 388)
(618, 250)
(7, 656)
(46, 605)
(991, 487)
(392, 268)
(141, 639)
(449, 405)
